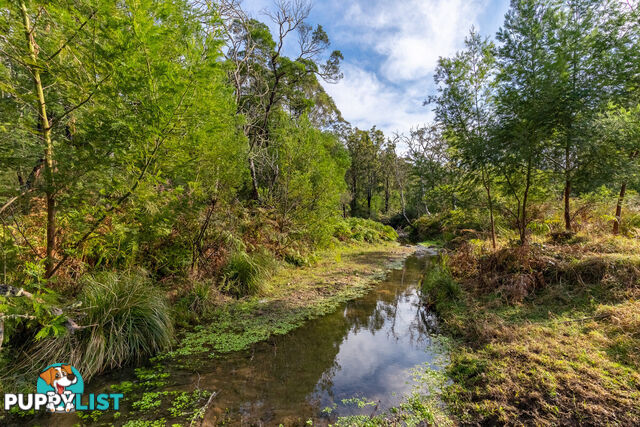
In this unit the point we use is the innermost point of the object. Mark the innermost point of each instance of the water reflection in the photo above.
(365, 349)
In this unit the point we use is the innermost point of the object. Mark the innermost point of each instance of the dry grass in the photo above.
(548, 334)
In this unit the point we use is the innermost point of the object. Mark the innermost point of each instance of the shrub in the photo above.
(426, 227)
(246, 274)
(125, 320)
(630, 223)
(364, 230)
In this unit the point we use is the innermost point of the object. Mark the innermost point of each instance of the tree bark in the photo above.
(354, 193)
(525, 196)
(487, 187)
(567, 207)
(255, 195)
(616, 222)
(386, 195)
(45, 131)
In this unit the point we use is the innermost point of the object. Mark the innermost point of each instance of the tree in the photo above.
(364, 173)
(620, 128)
(427, 151)
(465, 108)
(265, 80)
(524, 103)
(586, 47)
(120, 100)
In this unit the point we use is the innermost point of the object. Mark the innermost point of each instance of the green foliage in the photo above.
(364, 230)
(307, 189)
(247, 274)
(447, 223)
(126, 320)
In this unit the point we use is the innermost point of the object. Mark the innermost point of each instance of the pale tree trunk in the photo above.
(45, 131)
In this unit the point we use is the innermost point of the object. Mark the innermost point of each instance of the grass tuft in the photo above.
(247, 274)
(125, 321)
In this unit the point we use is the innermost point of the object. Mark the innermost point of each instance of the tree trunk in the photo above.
(354, 192)
(567, 207)
(525, 196)
(386, 195)
(254, 179)
(45, 131)
(616, 222)
(487, 187)
(369, 195)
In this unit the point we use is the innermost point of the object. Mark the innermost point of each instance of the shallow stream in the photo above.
(367, 349)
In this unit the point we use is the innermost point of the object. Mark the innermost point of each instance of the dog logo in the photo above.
(61, 379)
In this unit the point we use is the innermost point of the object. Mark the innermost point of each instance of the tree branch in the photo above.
(72, 36)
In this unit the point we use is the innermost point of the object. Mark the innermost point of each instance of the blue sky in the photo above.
(391, 49)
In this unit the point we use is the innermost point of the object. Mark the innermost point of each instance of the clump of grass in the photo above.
(247, 274)
(438, 285)
(125, 319)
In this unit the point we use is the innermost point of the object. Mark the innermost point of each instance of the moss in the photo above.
(295, 296)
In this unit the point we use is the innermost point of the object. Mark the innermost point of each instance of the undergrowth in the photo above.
(546, 334)
(127, 320)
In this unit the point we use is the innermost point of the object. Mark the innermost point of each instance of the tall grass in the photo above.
(247, 273)
(125, 319)
(438, 285)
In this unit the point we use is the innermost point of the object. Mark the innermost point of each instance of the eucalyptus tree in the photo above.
(465, 107)
(429, 155)
(265, 79)
(363, 175)
(387, 163)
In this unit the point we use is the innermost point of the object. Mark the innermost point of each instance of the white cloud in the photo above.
(412, 34)
(365, 101)
(391, 50)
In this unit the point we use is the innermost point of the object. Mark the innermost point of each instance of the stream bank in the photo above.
(263, 361)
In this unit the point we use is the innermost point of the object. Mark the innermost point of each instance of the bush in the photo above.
(364, 230)
(426, 227)
(125, 320)
(246, 274)
(438, 284)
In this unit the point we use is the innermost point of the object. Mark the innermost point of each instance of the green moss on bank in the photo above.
(295, 295)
